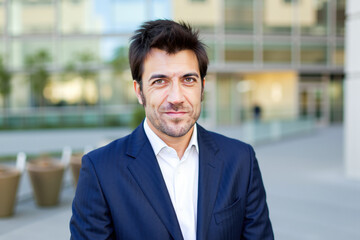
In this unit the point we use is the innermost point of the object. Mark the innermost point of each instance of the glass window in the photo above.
(23, 49)
(239, 15)
(313, 53)
(239, 52)
(32, 17)
(223, 92)
(116, 88)
(313, 17)
(336, 93)
(211, 51)
(2, 17)
(80, 51)
(277, 52)
(278, 16)
(103, 16)
(340, 17)
(2, 49)
(203, 15)
(339, 55)
(160, 9)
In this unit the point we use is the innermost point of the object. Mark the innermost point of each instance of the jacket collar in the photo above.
(147, 173)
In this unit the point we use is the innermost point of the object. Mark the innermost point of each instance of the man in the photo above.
(170, 178)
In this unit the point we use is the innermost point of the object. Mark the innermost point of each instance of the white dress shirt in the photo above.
(181, 179)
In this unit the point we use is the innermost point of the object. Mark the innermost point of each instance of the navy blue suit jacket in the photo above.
(121, 193)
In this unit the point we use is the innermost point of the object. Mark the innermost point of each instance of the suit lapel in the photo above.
(147, 173)
(209, 177)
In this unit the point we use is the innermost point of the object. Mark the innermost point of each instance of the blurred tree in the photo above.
(120, 61)
(35, 65)
(82, 66)
(5, 80)
(5, 87)
(119, 64)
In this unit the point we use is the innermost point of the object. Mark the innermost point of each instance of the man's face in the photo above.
(171, 91)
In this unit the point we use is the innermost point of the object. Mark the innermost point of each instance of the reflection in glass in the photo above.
(313, 16)
(2, 50)
(76, 51)
(224, 90)
(109, 16)
(35, 17)
(313, 53)
(239, 15)
(340, 17)
(239, 52)
(339, 55)
(77, 17)
(21, 49)
(336, 92)
(211, 51)
(2, 17)
(278, 16)
(203, 15)
(117, 87)
(277, 52)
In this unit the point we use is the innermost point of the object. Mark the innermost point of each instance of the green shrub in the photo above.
(138, 116)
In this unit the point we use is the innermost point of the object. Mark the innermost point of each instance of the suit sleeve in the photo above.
(91, 217)
(257, 223)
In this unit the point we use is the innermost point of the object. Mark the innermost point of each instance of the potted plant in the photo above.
(46, 176)
(75, 164)
(9, 182)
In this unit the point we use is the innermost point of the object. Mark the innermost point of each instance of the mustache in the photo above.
(174, 107)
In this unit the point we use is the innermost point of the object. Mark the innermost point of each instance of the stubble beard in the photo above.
(162, 125)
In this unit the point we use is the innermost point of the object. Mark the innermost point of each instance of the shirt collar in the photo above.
(158, 144)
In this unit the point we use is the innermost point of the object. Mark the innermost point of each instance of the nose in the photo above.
(175, 94)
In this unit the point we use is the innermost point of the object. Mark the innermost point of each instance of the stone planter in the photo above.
(46, 176)
(9, 182)
(75, 164)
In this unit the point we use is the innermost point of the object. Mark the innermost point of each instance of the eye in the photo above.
(189, 80)
(159, 81)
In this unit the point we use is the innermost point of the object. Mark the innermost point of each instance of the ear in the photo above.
(138, 91)
(202, 89)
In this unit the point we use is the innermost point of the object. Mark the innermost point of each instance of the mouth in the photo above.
(175, 114)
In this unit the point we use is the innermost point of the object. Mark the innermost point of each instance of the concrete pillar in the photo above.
(352, 90)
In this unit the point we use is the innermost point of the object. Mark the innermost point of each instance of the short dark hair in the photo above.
(168, 36)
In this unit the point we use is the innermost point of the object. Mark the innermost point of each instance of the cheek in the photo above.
(194, 98)
(156, 98)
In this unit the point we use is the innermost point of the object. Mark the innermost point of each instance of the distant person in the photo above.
(257, 112)
(170, 178)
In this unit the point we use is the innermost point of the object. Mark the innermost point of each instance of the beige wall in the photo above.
(38, 18)
(198, 13)
(280, 13)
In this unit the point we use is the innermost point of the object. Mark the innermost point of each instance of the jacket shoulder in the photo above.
(111, 151)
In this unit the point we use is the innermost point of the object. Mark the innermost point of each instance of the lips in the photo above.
(175, 114)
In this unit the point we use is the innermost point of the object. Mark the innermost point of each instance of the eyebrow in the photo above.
(191, 74)
(158, 76)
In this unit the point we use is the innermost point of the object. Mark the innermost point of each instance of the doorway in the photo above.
(313, 101)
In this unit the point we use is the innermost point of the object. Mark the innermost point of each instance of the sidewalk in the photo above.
(308, 195)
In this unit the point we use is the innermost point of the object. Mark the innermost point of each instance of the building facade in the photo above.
(285, 57)
(352, 88)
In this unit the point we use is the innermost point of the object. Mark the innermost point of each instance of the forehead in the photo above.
(159, 61)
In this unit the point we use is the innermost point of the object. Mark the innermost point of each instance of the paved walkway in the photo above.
(309, 197)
